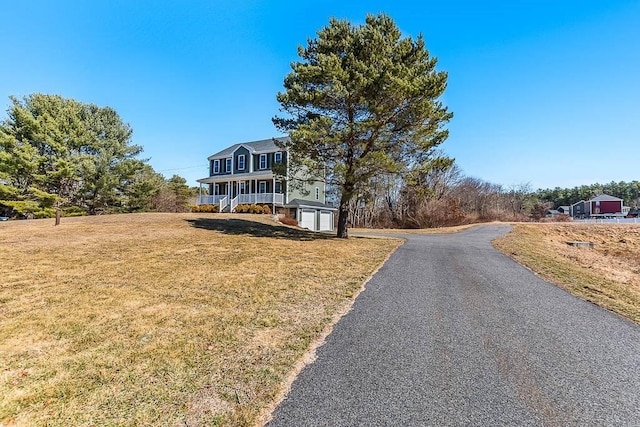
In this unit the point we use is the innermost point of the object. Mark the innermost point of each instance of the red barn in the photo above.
(605, 205)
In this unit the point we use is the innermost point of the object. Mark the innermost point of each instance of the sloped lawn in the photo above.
(164, 319)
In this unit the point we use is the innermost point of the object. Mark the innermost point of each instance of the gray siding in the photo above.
(241, 151)
(222, 170)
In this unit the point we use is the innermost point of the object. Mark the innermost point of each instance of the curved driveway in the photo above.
(451, 332)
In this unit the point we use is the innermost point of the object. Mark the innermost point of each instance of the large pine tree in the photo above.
(363, 101)
(57, 151)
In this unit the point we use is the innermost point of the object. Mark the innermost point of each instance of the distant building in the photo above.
(578, 209)
(602, 206)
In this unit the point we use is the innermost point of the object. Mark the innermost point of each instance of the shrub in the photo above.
(288, 221)
(204, 209)
(266, 209)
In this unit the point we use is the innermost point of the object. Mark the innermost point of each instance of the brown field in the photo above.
(607, 275)
(164, 319)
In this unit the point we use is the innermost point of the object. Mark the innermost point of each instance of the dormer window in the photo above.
(278, 157)
(241, 162)
(216, 166)
(263, 161)
(228, 165)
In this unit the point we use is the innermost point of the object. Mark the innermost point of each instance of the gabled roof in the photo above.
(262, 146)
(581, 201)
(605, 198)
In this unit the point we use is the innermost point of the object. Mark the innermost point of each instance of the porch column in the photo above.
(273, 191)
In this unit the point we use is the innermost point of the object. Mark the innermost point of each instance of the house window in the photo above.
(317, 193)
(262, 185)
(278, 188)
(241, 162)
(263, 161)
(228, 165)
(278, 157)
(242, 187)
(216, 166)
(216, 190)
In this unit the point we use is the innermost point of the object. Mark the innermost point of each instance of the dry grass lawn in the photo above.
(607, 275)
(163, 319)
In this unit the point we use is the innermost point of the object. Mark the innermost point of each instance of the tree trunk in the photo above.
(343, 215)
(343, 211)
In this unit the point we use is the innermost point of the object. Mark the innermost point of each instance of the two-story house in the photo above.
(243, 174)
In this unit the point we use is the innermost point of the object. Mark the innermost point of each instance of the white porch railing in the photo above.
(247, 199)
(241, 199)
(223, 203)
(209, 200)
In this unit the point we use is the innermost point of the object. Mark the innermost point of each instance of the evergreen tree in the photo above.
(57, 151)
(362, 102)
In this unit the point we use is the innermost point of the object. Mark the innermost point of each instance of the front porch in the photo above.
(230, 191)
(225, 202)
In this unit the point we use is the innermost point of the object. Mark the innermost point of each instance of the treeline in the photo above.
(439, 194)
(61, 153)
(628, 191)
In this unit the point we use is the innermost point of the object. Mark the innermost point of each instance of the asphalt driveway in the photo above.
(452, 332)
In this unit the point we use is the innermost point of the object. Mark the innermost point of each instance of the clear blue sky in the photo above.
(545, 92)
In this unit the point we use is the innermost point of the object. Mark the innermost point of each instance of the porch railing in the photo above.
(241, 199)
(247, 199)
(209, 200)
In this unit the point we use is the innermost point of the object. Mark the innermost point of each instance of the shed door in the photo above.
(326, 221)
(308, 219)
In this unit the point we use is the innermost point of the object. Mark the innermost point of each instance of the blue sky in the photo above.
(545, 92)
